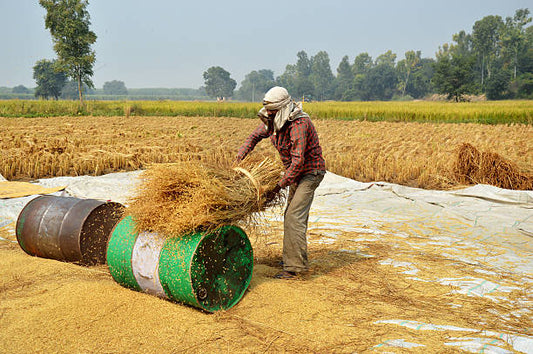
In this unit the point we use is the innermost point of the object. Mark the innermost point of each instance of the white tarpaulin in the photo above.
(476, 225)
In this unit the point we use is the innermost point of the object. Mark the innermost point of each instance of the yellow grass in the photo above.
(414, 154)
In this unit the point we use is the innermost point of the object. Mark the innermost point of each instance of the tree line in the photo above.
(495, 59)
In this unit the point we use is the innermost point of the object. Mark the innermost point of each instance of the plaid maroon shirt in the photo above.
(297, 144)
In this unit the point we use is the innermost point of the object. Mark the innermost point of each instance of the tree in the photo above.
(303, 86)
(321, 75)
(20, 89)
(388, 58)
(218, 82)
(453, 72)
(498, 85)
(115, 87)
(380, 83)
(514, 36)
(486, 36)
(288, 79)
(70, 90)
(256, 84)
(344, 80)
(420, 81)
(406, 67)
(68, 22)
(362, 64)
(523, 86)
(49, 78)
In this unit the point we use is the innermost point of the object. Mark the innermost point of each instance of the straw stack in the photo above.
(473, 166)
(175, 199)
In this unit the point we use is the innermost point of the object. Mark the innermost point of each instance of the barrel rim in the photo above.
(222, 230)
(101, 204)
(93, 204)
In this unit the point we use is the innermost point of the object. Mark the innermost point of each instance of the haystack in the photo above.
(175, 199)
(473, 166)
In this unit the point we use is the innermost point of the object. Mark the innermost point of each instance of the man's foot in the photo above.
(285, 274)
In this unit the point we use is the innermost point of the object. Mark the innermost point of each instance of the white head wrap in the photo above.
(278, 99)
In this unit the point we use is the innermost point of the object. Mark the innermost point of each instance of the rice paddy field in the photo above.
(352, 288)
(493, 112)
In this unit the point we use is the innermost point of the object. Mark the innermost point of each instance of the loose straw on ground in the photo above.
(175, 199)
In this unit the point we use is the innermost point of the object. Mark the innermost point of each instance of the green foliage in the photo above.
(20, 89)
(255, 85)
(321, 76)
(514, 38)
(497, 112)
(419, 84)
(380, 83)
(344, 79)
(49, 78)
(406, 67)
(498, 85)
(388, 58)
(362, 64)
(218, 82)
(453, 72)
(486, 36)
(303, 85)
(115, 87)
(288, 79)
(522, 87)
(70, 90)
(68, 22)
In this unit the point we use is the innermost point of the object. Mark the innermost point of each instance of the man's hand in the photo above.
(270, 194)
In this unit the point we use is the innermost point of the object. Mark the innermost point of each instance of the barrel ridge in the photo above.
(119, 253)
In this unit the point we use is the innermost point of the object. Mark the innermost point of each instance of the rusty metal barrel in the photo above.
(67, 229)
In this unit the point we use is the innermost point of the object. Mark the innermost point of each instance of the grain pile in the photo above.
(182, 197)
(473, 166)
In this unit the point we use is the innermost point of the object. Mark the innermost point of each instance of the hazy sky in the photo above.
(170, 43)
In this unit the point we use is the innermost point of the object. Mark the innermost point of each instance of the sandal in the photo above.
(285, 274)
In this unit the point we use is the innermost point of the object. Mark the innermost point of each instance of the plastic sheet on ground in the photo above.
(477, 226)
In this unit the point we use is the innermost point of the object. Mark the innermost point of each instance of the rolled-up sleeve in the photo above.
(249, 144)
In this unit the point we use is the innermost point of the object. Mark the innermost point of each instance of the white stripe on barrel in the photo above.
(145, 262)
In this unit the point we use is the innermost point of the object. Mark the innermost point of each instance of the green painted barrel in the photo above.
(210, 271)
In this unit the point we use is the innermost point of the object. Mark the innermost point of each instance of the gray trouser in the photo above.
(295, 222)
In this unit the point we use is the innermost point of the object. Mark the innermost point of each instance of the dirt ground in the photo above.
(51, 306)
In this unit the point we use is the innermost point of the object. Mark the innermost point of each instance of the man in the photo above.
(293, 134)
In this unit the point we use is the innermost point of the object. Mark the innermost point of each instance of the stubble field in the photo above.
(414, 154)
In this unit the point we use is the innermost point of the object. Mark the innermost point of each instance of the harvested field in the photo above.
(414, 154)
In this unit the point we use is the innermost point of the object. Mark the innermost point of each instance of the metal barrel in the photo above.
(210, 271)
(67, 229)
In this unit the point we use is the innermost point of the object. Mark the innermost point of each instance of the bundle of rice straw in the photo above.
(473, 166)
(175, 199)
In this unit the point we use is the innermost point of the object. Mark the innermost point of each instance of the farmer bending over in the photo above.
(291, 131)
